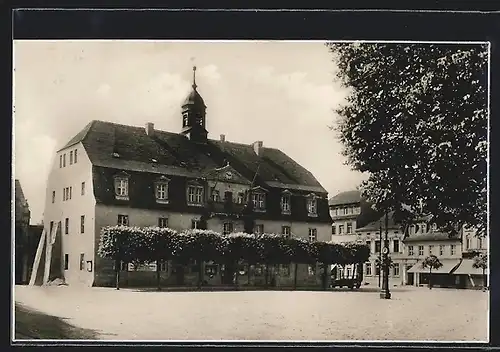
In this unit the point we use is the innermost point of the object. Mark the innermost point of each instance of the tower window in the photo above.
(185, 120)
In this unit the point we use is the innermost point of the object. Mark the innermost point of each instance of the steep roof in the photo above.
(130, 148)
(348, 197)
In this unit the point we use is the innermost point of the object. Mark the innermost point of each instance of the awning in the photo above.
(466, 268)
(448, 266)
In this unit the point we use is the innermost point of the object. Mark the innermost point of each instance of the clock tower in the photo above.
(194, 115)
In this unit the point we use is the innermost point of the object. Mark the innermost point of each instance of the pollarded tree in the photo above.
(431, 262)
(415, 120)
(481, 262)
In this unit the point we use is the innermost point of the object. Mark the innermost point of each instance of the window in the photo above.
(377, 246)
(259, 229)
(239, 198)
(311, 270)
(452, 249)
(431, 247)
(163, 266)
(70, 191)
(76, 151)
(420, 250)
(66, 261)
(285, 230)
(336, 211)
(228, 228)
(51, 227)
(313, 235)
(71, 157)
(395, 269)
(349, 210)
(162, 222)
(377, 270)
(312, 206)
(53, 197)
(215, 195)
(285, 269)
(123, 266)
(258, 200)
(346, 211)
(368, 268)
(161, 191)
(66, 226)
(349, 228)
(122, 220)
(334, 229)
(60, 161)
(410, 250)
(64, 160)
(480, 243)
(185, 120)
(82, 224)
(341, 229)
(195, 194)
(195, 224)
(82, 261)
(467, 242)
(441, 249)
(369, 244)
(285, 203)
(121, 187)
(396, 246)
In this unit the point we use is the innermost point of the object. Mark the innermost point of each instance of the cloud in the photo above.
(210, 73)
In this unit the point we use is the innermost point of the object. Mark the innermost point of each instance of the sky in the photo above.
(281, 93)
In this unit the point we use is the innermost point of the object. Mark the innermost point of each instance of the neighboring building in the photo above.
(373, 235)
(22, 225)
(111, 174)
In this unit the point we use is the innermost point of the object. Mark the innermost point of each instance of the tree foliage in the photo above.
(480, 261)
(431, 262)
(415, 120)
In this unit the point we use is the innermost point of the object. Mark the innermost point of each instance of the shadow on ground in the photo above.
(31, 325)
(251, 288)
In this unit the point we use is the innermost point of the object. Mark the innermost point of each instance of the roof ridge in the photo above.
(74, 141)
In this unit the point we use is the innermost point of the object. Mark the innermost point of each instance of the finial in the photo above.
(194, 77)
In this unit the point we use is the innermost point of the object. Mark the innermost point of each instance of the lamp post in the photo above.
(385, 292)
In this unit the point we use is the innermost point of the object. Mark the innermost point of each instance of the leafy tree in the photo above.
(415, 120)
(481, 262)
(431, 262)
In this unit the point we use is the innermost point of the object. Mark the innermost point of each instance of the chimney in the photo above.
(150, 128)
(222, 137)
(257, 147)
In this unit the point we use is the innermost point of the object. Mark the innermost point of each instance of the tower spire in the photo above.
(194, 77)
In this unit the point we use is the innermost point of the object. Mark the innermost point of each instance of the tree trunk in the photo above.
(484, 280)
(323, 276)
(248, 273)
(200, 273)
(117, 273)
(236, 273)
(267, 275)
(158, 266)
(430, 279)
(295, 277)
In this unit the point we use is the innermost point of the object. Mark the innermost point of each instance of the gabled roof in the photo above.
(130, 148)
(348, 197)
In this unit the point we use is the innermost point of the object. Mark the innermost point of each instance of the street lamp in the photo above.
(385, 292)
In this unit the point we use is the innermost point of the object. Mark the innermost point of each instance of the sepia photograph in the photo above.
(189, 190)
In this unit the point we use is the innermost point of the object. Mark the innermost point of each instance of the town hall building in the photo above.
(113, 174)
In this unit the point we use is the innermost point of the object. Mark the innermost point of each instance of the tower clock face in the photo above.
(229, 175)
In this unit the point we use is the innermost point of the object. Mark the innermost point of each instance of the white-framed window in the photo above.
(349, 228)
(240, 198)
(161, 191)
(195, 224)
(452, 249)
(82, 261)
(334, 229)
(64, 160)
(368, 269)
(349, 272)
(64, 194)
(60, 161)
(215, 195)
(163, 266)
(259, 201)
(258, 229)
(122, 220)
(410, 250)
(286, 230)
(431, 248)
(480, 243)
(76, 154)
(377, 246)
(66, 261)
(82, 224)
(312, 206)
(346, 211)
(121, 187)
(396, 246)
(395, 269)
(349, 210)
(313, 235)
(195, 194)
(227, 228)
(341, 229)
(311, 270)
(369, 244)
(420, 250)
(185, 120)
(66, 226)
(70, 191)
(53, 197)
(71, 157)
(285, 203)
(467, 242)
(83, 189)
(162, 222)
(441, 249)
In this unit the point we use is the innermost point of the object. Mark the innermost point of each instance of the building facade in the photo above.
(112, 174)
(22, 229)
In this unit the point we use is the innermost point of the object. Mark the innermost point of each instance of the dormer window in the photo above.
(161, 190)
(312, 205)
(215, 195)
(195, 194)
(259, 201)
(240, 198)
(285, 202)
(121, 186)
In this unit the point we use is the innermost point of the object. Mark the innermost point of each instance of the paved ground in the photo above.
(412, 314)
